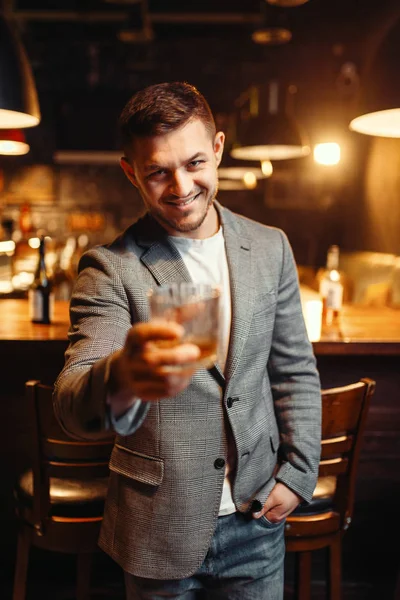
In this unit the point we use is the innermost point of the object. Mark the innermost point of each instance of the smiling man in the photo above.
(176, 175)
(207, 464)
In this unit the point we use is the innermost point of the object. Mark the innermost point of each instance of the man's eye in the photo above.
(195, 163)
(156, 174)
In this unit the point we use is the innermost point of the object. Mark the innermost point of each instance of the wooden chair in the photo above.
(60, 501)
(322, 523)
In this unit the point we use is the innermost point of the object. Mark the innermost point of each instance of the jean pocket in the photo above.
(268, 524)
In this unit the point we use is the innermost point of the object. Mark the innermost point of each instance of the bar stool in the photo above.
(59, 502)
(322, 523)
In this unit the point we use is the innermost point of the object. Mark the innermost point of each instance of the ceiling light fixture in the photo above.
(273, 30)
(19, 106)
(271, 36)
(380, 100)
(138, 29)
(246, 172)
(267, 130)
(12, 142)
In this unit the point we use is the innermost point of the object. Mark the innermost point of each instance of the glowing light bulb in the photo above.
(327, 153)
(250, 180)
(267, 168)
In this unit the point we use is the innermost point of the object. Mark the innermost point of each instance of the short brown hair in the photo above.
(161, 108)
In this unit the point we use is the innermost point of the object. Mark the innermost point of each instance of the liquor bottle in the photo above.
(63, 278)
(331, 290)
(41, 298)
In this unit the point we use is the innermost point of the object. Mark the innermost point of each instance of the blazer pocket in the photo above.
(140, 467)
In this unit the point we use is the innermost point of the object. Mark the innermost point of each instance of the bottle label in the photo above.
(38, 308)
(332, 291)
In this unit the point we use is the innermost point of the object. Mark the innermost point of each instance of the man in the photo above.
(207, 464)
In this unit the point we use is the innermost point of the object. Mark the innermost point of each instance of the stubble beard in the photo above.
(179, 224)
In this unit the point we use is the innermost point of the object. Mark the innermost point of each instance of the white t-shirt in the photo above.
(207, 263)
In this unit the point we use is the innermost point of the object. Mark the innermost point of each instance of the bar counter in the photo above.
(364, 329)
(368, 347)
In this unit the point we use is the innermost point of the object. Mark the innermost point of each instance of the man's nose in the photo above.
(181, 184)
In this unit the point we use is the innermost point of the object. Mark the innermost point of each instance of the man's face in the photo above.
(176, 175)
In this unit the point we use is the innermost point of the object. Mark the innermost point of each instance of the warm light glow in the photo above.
(83, 240)
(12, 142)
(312, 311)
(327, 153)
(231, 185)
(267, 168)
(22, 280)
(239, 172)
(250, 180)
(13, 148)
(34, 242)
(334, 275)
(5, 287)
(11, 119)
(7, 246)
(269, 152)
(272, 35)
(383, 123)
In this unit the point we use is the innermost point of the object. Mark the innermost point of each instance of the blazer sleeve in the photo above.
(295, 385)
(100, 319)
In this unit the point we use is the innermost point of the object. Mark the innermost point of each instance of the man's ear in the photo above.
(219, 146)
(128, 170)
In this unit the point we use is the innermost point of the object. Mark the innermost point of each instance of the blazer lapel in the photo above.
(160, 257)
(239, 255)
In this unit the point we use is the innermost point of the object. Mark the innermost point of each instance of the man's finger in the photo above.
(154, 330)
(155, 355)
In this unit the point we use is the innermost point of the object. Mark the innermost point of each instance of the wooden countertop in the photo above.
(365, 330)
(16, 325)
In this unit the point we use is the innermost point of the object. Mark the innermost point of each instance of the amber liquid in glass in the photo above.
(207, 346)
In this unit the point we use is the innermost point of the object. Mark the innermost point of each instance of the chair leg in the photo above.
(303, 576)
(335, 569)
(84, 565)
(21, 566)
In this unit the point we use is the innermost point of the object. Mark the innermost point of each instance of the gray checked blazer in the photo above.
(166, 480)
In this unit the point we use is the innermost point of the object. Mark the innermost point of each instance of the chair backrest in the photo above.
(344, 414)
(55, 454)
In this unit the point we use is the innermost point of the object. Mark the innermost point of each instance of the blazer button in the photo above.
(230, 401)
(219, 463)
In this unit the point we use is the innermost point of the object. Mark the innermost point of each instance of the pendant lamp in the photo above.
(246, 173)
(268, 131)
(13, 142)
(273, 29)
(380, 95)
(19, 106)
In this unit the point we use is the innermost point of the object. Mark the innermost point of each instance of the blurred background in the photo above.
(89, 56)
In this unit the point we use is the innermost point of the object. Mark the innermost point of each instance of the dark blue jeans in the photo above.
(244, 562)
